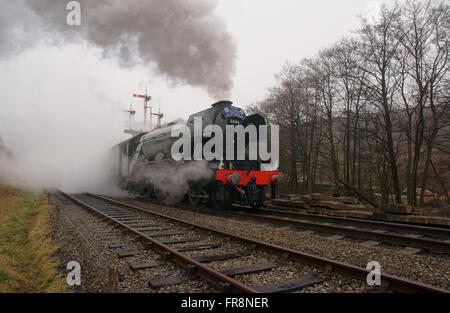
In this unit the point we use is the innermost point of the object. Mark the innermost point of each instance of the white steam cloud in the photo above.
(184, 40)
(54, 116)
(55, 134)
(172, 182)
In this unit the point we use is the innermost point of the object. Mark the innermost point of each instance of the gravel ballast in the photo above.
(81, 234)
(429, 268)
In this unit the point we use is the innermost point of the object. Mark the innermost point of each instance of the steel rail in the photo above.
(426, 230)
(390, 238)
(395, 239)
(391, 282)
(200, 270)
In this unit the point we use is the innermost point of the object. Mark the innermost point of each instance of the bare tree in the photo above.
(352, 114)
(422, 31)
(380, 50)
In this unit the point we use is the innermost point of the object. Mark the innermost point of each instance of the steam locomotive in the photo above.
(144, 165)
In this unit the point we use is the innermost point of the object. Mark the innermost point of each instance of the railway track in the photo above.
(433, 232)
(199, 250)
(426, 238)
(411, 237)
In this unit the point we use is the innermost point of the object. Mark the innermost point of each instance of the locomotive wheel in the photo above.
(221, 197)
(193, 200)
(260, 202)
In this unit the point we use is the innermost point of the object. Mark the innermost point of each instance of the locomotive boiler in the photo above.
(145, 164)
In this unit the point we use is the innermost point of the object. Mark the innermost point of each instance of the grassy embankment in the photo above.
(27, 263)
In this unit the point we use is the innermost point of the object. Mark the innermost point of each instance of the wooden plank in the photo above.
(143, 266)
(127, 253)
(347, 200)
(251, 269)
(220, 257)
(181, 240)
(199, 247)
(129, 220)
(167, 235)
(142, 225)
(289, 285)
(396, 209)
(154, 229)
(333, 205)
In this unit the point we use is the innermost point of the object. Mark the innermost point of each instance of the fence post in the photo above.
(113, 279)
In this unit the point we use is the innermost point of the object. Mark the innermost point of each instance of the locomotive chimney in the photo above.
(222, 104)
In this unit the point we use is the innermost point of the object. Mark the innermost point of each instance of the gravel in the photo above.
(82, 241)
(430, 268)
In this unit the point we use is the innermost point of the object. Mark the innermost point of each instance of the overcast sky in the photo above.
(268, 33)
(271, 32)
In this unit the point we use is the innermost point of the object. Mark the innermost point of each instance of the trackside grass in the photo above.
(27, 263)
